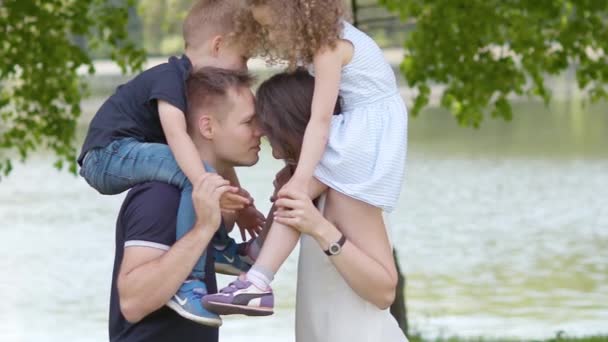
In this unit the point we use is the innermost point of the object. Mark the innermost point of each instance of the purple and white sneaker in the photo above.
(240, 297)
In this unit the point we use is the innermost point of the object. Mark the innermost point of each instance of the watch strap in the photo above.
(340, 243)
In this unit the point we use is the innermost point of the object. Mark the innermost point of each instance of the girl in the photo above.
(358, 157)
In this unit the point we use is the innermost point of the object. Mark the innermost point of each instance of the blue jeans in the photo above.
(127, 162)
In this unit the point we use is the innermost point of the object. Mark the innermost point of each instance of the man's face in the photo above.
(236, 137)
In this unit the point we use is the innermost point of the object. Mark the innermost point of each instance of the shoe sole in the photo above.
(198, 319)
(228, 269)
(231, 309)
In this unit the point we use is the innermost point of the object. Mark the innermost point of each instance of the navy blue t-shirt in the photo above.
(132, 111)
(148, 217)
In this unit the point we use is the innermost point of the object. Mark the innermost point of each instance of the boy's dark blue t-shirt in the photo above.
(148, 218)
(132, 111)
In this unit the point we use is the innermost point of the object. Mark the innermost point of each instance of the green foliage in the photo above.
(162, 25)
(40, 88)
(484, 51)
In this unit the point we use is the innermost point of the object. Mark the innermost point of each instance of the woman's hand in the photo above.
(297, 211)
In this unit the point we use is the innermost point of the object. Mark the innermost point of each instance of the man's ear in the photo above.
(205, 126)
(216, 44)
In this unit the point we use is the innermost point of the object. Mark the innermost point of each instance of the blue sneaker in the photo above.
(229, 261)
(187, 303)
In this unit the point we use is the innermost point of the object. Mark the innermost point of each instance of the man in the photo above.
(150, 265)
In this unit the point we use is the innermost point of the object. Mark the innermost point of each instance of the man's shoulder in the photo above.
(153, 195)
(156, 189)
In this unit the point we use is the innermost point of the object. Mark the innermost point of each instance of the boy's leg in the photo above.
(127, 162)
(187, 300)
(228, 259)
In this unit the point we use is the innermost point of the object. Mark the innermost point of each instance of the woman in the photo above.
(346, 272)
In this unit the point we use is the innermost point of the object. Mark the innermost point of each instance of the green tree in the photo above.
(162, 25)
(484, 51)
(44, 45)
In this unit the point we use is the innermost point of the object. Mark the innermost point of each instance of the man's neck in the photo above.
(210, 159)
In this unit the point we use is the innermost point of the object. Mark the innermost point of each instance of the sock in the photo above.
(260, 277)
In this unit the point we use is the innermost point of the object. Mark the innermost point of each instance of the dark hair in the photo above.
(283, 104)
(208, 88)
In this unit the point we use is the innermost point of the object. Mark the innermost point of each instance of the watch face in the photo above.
(334, 248)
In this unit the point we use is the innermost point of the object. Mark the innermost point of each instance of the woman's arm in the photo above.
(366, 262)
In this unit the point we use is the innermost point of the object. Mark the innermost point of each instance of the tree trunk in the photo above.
(398, 309)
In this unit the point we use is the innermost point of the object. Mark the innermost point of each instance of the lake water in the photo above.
(502, 232)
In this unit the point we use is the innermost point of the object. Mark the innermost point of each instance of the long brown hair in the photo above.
(283, 104)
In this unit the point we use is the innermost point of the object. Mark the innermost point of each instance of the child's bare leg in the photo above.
(281, 239)
(254, 297)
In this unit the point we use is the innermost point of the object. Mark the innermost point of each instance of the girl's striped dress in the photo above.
(366, 150)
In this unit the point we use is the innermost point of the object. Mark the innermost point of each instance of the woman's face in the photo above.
(278, 152)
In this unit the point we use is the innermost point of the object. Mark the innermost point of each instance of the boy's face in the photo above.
(236, 137)
(231, 56)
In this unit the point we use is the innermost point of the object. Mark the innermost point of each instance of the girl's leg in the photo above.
(253, 296)
(282, 239)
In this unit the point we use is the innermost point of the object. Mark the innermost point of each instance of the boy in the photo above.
(127, 139)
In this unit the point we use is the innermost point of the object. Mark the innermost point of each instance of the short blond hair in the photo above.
(208, 18)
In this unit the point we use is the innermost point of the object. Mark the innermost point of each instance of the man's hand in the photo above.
(206, 196)
(250, 220)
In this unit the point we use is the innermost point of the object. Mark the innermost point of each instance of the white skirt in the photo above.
(366, 151)
(327, 309)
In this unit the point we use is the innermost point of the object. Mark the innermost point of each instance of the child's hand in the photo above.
(250, 220)
(235, 199)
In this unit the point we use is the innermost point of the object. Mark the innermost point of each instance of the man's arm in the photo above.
(149, 276)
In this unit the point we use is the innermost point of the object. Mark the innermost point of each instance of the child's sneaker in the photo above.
(187, 303)
(241, 297)
(229, 261)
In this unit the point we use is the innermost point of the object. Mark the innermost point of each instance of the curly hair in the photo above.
(300, 28)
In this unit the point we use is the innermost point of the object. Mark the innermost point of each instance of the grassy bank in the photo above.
(558, 338)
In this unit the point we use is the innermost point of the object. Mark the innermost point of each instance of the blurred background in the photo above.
(501, 231)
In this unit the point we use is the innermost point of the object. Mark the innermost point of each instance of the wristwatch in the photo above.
(336, 247)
